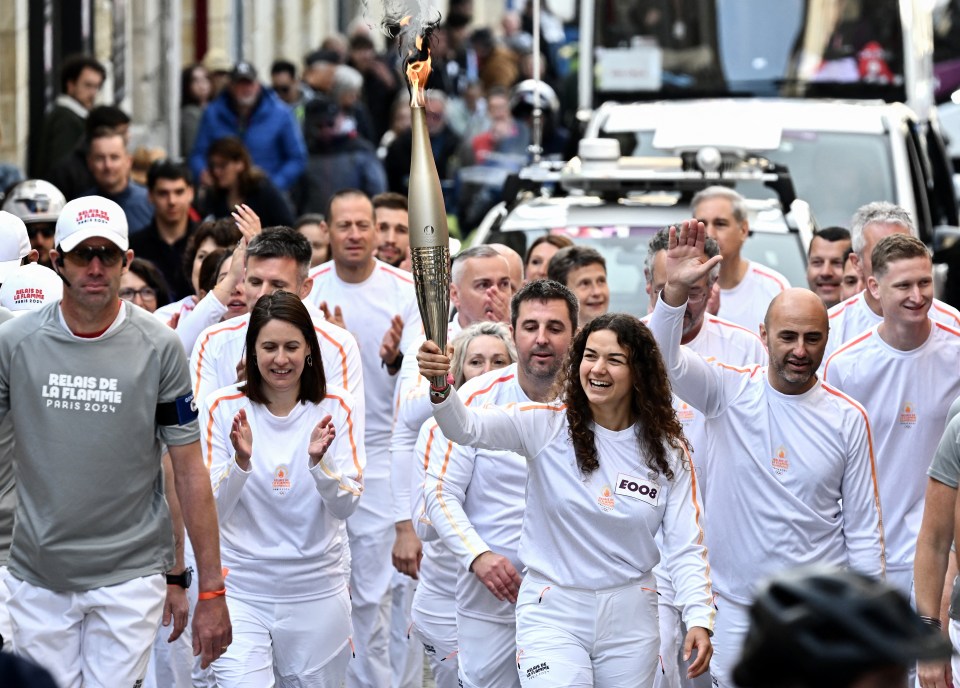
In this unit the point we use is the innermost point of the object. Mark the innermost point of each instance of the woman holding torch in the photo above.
(607, 468)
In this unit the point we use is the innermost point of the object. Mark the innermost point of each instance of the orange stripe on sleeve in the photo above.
(846, 304)
(203, 347)
(852, 343)
(946, 311)
(353, 443)
(873, 466)
(708, 588)
(213, 408)
(343, 356)
(486, 389)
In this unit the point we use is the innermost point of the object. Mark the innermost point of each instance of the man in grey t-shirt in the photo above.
(933, 546)
(94, 387)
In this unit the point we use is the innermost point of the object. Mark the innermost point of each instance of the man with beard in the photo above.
(393, 225)
(906, 372)
(828, 250)
(480, 290)
(792, 447)
(376, 298)
(267, 127)
(475, 498)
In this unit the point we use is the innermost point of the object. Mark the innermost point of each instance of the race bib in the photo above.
(638, 488)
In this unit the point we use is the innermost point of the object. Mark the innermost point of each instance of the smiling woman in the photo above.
(608, 471)
(287, 467)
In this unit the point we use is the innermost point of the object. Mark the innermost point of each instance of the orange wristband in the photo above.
(212, 594)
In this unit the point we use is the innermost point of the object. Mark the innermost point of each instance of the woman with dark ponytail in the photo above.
(608, 470)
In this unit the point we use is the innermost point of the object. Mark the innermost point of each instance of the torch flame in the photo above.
(418, 70)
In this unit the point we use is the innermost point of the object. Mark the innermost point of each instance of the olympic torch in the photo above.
(429, 237)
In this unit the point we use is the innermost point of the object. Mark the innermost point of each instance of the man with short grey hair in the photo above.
(848, 319)
(746, 287)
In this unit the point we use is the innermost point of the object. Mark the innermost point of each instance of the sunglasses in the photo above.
(83, 255)
(46, 231)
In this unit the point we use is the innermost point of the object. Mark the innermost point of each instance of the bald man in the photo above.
(792, 448)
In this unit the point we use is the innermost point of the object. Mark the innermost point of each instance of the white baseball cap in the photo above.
(14, 243)
(91, 216)
(29, 287)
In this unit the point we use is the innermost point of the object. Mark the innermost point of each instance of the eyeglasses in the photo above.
(82, 255)
(145, 294)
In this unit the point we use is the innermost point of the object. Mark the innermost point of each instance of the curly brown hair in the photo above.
(651, 402)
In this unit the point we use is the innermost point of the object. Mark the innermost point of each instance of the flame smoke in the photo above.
(413, 23)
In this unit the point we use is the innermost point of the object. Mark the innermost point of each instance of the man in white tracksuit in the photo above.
(906, 372)
(377, 299)
(792, 449)
(475, 498)
(480, 290)
(714, 339)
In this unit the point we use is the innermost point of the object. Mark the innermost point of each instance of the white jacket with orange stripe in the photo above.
(907, 395)
(782, 464)
(281, 532)
(475, 498)
(595, 531)
(220, 347)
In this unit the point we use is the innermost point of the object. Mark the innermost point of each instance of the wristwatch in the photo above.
(182, 579)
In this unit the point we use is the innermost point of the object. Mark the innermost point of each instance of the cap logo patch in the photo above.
(93, 215)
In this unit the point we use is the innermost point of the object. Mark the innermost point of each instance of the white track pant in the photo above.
(97, 638)
(305, 644)
(435, 625)
(672, 672)
(371, 572)
(172, 665)
(729, 633)
(488, 653)
(578, 638)
(406, 652)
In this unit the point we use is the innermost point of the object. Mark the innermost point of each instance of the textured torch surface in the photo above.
(429, 237)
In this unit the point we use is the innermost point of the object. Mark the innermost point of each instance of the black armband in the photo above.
(180, 411)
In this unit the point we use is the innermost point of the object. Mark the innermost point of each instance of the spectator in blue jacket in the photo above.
(261, 121)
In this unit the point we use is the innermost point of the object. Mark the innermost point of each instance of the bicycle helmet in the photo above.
(825, 627)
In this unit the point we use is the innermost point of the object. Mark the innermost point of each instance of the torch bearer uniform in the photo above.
(788, 461)
(432, 605)
(853, 317)
(434, 602)
(475, 501)
(220, 347)
(907, 395)
(724, 341)
(587, 607)
(281, 540)
(368, 308)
